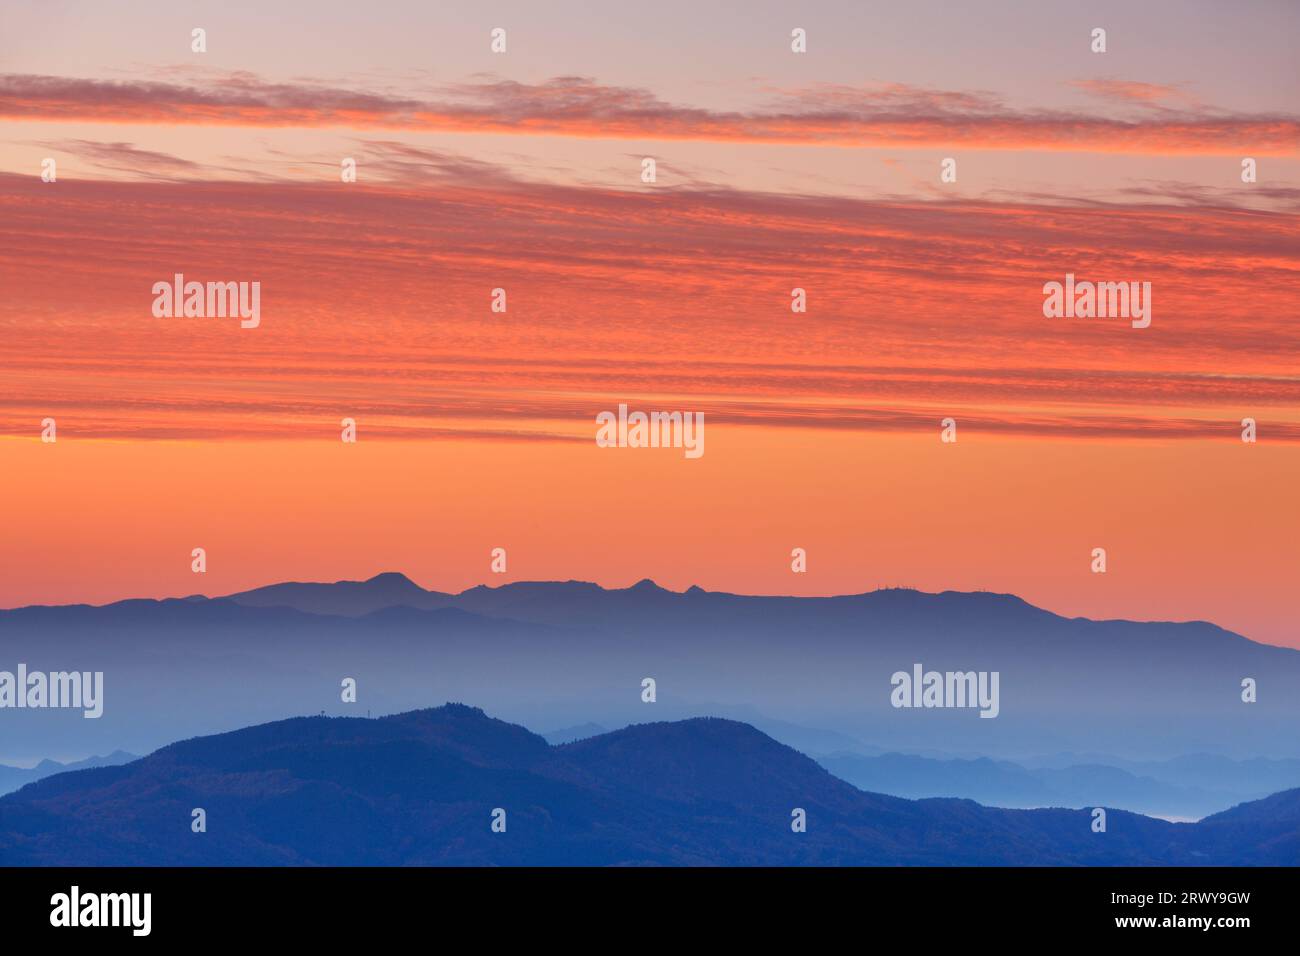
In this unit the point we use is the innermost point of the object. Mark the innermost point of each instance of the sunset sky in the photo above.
(522, 170)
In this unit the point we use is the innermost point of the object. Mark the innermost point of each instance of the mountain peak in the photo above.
(647, 586)
(393, 579)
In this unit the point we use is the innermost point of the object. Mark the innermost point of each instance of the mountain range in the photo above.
(11, 778)
(815, 673)
(1175, 789)
(423, 788)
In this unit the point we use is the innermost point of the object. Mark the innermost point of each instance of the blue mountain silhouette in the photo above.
(555, 654)
(11, 778)
(1161, 788)
(420, 788)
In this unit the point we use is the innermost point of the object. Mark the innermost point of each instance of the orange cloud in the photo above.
(1136, 92)
(892, 115)
(375, 302)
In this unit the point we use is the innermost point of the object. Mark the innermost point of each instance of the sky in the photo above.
(776, 170)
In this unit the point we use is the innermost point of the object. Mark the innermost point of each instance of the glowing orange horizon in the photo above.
(778, 172)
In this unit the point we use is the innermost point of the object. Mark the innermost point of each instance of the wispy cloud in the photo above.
(129, 159)
(887, 115)
(375, 299)
(1135, 92)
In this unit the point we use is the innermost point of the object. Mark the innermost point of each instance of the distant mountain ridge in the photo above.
(554, 602)
(1149, 788)
(557, 654)
(542, 601)
(347, 598)
(12, 778)
(422, 787)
